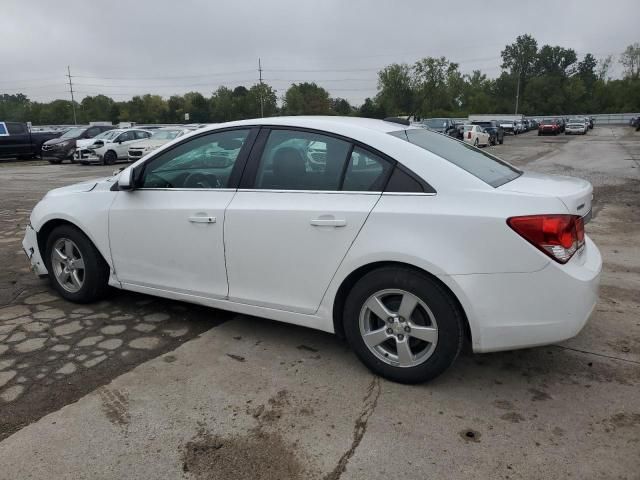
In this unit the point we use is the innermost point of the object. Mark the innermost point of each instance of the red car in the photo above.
(549, 125)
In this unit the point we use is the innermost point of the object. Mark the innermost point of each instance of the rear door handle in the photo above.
(202, 219)
(328, 222)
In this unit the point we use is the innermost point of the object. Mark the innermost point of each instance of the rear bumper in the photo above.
(31, 249)
(520, 310)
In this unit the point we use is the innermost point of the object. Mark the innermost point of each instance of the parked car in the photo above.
(84, 147)
(63, 147)
(110, 150)
(17, 140)
(590, 119)
(441, 125)
(518, 126)
(508, 126)
(232, 217)
(496, 132)
(577, 126)
(158, 138)
(476, 135)
(458, 131)
(549, 125)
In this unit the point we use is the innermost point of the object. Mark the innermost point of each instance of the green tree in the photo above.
(630, 59)
(306, 99)
(396, 93)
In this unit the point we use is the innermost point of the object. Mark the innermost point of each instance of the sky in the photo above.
(123, 48)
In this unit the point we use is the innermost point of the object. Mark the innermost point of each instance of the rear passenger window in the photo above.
(140, 135)
(16, 128)
(365, 172)
(294, 160)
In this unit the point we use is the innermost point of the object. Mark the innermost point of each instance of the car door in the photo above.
(303, 199)
(122, 142)
(167, 234)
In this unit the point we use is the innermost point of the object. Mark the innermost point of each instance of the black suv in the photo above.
(441, 125)
(63, 147)
(495, 131)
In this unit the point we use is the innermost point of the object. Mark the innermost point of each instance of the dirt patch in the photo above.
(622, 419)
(513, 417)
(115, 405)
(256, 456)
(539, 395)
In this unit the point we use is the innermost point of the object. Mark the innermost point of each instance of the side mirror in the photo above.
(125, 180)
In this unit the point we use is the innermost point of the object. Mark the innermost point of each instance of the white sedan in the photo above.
(116, 147)
(403, 240)
(476, 136)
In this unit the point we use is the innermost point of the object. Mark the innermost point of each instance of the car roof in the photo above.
(319, 122)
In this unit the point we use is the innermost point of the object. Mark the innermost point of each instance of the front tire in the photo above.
(110, 158)
(403, 325)
(76, 269)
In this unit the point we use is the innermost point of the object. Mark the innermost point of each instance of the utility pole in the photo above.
(73, 102)
(518, 90)
(261, 88)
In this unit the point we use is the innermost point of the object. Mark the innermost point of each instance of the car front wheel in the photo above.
(76, 268)
(403, 325)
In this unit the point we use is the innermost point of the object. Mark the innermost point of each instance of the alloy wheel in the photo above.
(398, 328)
(68, 265)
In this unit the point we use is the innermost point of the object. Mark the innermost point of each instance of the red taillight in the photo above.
(559, 236)
(469, 135)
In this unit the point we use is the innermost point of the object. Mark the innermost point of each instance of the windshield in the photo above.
(106, 135)
(435, 122)
(165, 134)
(576, 120)
(74, 133)
(548, 120)
(482, 165)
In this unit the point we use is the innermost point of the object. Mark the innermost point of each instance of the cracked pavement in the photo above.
(256, 399)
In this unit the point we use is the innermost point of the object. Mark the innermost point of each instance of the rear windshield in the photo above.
(482, 165)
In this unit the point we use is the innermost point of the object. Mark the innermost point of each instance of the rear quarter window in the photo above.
(484, 166)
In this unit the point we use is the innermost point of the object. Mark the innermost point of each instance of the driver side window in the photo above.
(203, 162)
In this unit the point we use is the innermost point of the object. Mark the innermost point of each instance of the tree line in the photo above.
(541, 80)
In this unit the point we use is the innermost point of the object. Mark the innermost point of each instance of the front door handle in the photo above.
(328, 222)
(202, 219)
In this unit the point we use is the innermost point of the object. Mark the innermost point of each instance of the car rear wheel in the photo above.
(110, 158)
(76, 269)
(403, 325)
(55, 161)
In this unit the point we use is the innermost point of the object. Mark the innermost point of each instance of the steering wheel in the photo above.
(198, 180)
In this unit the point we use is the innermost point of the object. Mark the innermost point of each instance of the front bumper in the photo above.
(31, 249)
(519, 310)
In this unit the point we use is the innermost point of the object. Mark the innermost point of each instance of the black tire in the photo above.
(445, 310)
(55, 161)
(109, 158)
(96, 271)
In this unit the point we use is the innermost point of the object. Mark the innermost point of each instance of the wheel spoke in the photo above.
(405, 356)
(407, 305)
(375, 337)
(59, 256)
(75, 280)
(79, 263)
(62, 276)
(427, 334)
(68, 248)
(377, 307)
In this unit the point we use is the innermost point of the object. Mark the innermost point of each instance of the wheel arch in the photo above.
(45, 230)
(351, 279)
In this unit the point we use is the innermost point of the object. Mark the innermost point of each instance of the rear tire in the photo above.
(76, 269)
(428, 306)
(55, 161)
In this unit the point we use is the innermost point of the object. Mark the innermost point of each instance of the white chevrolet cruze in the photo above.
(403, 240)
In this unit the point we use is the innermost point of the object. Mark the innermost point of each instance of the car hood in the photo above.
(575, 193)
(85, 142)
(82, 187)
(149, 143)
(55, 141)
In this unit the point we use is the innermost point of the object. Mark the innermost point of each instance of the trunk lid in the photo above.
(575, 193)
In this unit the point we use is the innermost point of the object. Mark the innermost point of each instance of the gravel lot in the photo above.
(161, 393)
